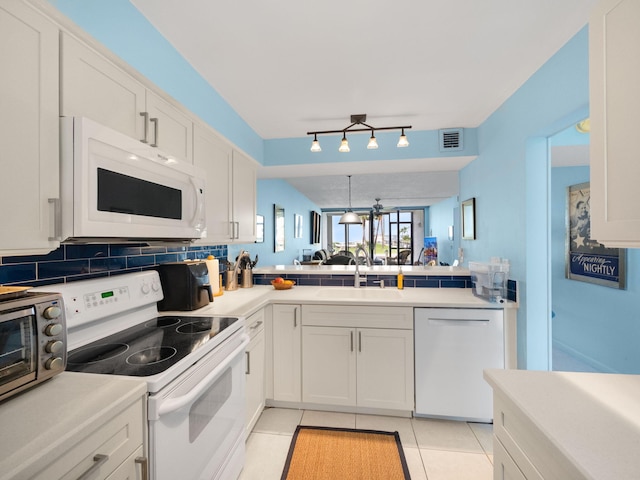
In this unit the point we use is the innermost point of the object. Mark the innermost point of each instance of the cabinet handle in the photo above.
(57, 219)
(248, 371)
(295, 317)
(351, 338)
(146, 127)
(236, 230)
(360, 342)
(155, 132)
(144, 467)
(98, 460)
(232, 228)
(255, 325)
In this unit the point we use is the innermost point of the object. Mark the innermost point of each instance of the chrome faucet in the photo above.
(357, 280)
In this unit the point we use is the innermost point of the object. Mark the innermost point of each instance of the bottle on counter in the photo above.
(400, 279)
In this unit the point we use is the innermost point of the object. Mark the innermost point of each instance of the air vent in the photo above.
(451, 140)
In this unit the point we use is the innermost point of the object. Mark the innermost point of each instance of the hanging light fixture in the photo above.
(315, 145)
(344, 144)
(373, 143)
(402, 141)
(350, 218)
(357, 120)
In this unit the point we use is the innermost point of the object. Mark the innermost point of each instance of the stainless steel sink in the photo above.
(358, 293)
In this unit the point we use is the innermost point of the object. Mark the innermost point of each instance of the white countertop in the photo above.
(408, 270)
(591, 419)
(245, 301)
(40, 423)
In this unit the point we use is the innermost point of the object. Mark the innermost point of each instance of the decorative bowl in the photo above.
(283, 285)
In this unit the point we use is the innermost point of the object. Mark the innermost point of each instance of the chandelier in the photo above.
(358, 125)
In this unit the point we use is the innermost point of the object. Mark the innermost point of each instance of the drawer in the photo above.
(358, 317)
(504, 468)
(529, 448)
(118, 439)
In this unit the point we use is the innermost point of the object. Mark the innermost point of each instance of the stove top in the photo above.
(148, 348)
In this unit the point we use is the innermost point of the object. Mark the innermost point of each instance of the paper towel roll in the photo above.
(213, 266)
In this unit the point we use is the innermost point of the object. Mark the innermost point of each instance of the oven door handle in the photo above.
(162, 407)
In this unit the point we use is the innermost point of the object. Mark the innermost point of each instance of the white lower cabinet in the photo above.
(358, 356)
(113, 450)
(254, 369)
(286, 351)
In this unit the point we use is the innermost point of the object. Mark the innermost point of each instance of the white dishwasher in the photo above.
(452, 348)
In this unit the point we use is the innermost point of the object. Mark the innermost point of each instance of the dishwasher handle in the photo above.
(448, 322)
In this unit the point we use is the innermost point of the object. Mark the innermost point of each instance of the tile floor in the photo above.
(434, 449)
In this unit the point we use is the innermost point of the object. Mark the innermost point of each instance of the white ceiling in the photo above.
(291, 66)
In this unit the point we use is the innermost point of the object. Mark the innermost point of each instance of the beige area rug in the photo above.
(321, 453)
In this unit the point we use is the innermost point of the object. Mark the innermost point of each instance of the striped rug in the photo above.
(322, 453)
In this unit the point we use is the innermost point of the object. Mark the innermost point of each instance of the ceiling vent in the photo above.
(451, 140)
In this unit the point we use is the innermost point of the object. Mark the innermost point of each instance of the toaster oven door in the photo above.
(18, 347)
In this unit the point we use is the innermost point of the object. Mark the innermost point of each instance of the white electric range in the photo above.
(193, 366)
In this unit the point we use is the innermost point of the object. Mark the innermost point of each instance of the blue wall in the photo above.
(276, 191)
(599, 325)
(509, 181)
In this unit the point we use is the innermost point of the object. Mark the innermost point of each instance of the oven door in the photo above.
(196, 423)
(18, 348)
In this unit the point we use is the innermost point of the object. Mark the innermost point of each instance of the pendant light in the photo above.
(344, 144)
(403, 142)
(373, 143)
(350, 218)
(315, 145)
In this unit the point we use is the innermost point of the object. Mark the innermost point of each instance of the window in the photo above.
(383, 236)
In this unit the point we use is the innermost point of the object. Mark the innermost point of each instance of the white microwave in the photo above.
(115, 188)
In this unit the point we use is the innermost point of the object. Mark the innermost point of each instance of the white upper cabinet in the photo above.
(614, 76)
(244, 198)
(93, 86)
(231, 189)
(213, 155)
(29, 130)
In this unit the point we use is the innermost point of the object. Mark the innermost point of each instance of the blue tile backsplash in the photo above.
(69, 263)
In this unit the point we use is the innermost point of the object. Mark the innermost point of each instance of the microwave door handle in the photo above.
(197, 211)
(162, 407)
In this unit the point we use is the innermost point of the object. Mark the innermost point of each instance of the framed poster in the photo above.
(297, 226)
(587, 260)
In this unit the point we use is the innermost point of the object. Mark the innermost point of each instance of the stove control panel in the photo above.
(91, 300)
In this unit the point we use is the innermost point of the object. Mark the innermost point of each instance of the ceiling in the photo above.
(290, 66)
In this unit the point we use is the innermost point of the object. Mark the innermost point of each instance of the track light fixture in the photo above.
(355, 121)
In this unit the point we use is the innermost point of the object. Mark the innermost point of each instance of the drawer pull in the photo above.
(256, 325)
(98, 460)
(144, 467)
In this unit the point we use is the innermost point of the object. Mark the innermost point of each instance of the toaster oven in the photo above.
(33, 339)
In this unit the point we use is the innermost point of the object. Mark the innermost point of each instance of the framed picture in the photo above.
(297, 226)
(587, 260)
(259, 229)
(315, 227)
(469, 219)
(278, 228)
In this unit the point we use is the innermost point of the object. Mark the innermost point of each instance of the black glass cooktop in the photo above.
(148, 348)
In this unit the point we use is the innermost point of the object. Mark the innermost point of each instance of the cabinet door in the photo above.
(131, 468)
(244, 198)
(385, 368)
(286, 353)
(92, 86)
(614, 75)
(254, 370)
(504, 468)
(213, 155)
(329, 365)
(29, 129)
(169, 129)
